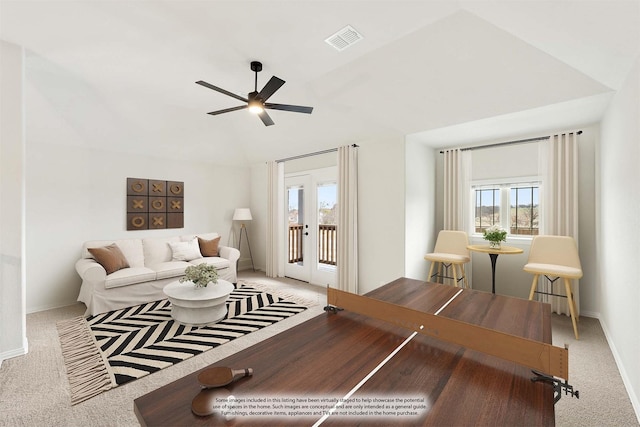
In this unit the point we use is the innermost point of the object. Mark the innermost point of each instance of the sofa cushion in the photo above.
(110, 257)
(129, 276)
(170, 269)
(185, 251)
(214, 260)
(157, 249)
(209, 247)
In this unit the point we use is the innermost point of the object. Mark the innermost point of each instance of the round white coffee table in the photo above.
(198, 306)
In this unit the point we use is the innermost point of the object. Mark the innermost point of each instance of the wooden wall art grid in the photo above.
(153, 204)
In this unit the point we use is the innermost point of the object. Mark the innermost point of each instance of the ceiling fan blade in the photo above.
(269, 89)
(226, 92)
(286, 107)
(228, 110)
(265, 118)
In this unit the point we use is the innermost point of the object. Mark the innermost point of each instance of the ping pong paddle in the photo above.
(220, 376)
(210, 401)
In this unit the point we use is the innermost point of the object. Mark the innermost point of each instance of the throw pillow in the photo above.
(110, 257)
(185, 251)
(209, 247)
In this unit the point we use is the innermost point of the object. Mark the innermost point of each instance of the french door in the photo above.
(310, 226)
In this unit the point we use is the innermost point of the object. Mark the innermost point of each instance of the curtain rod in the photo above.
(519, 141)
(301, 156)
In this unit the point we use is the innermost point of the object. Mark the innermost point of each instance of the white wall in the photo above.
(619, 231)
(258, 227)
(420, 216)
(76, 194)
(381, 213)
(311, 162)
(13, 339)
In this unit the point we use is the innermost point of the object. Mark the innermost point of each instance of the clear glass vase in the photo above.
(495, 245)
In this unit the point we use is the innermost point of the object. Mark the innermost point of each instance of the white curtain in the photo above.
(347, 257)
(457, 202)
(559, 169)
(275, 203)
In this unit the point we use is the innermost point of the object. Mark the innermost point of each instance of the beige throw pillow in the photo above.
(110, 257)
(209, 247)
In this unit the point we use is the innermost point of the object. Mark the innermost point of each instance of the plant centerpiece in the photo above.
(495, 235)
(201, 275)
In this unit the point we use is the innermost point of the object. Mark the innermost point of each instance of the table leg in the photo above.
(494, 258)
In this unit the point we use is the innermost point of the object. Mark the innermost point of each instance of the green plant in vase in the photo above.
(201, 275)
(495, 235)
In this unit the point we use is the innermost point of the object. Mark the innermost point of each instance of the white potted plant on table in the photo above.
(201, 275)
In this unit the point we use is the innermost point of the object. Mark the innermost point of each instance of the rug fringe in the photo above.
(277, 292)
(86, 370)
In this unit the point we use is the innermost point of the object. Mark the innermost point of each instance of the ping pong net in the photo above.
(548, 362)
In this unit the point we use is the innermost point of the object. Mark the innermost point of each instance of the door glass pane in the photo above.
(295, 202)
(327, 193)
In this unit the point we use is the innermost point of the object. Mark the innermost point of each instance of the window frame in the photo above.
(505, 185)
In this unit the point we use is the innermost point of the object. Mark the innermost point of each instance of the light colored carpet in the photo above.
(593, 371)
(34, 388)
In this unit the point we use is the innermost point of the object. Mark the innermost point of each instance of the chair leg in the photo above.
(433, 263)
(534, 284)
(463, 278)
(464, 274)
(455, 275)
(572, 309)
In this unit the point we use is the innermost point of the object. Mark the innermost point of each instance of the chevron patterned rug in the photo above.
(104, 351)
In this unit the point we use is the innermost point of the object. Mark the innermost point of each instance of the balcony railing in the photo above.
(295, 243)
(327, 243)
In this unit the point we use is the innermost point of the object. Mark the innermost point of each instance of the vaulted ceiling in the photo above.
(120, 75)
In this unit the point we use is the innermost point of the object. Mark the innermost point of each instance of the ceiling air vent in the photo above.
(344, 38)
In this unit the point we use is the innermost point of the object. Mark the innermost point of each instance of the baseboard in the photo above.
(15, 352)
(244, 264)
(635, 402)
(31, 310)
(594, 314)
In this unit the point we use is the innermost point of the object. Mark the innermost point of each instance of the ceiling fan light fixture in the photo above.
(255, 106)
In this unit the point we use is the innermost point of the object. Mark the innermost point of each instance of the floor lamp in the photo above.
(244, 214)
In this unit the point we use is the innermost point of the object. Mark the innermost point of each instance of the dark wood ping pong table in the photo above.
(332, 353)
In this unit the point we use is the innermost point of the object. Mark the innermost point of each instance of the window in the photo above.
(520, 203)
(487, 208)
(524, 210)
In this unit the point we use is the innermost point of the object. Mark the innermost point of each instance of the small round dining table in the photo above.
(493, 254)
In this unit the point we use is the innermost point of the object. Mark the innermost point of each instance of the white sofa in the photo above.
(151, 268)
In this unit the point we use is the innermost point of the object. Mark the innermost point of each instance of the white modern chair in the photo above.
(450, 251)
(555, 257)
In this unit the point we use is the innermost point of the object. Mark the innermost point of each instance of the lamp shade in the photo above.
(242, 214)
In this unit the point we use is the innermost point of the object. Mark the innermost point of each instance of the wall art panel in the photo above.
(153, 204)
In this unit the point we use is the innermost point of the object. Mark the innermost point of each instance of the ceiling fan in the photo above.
(256, 101)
